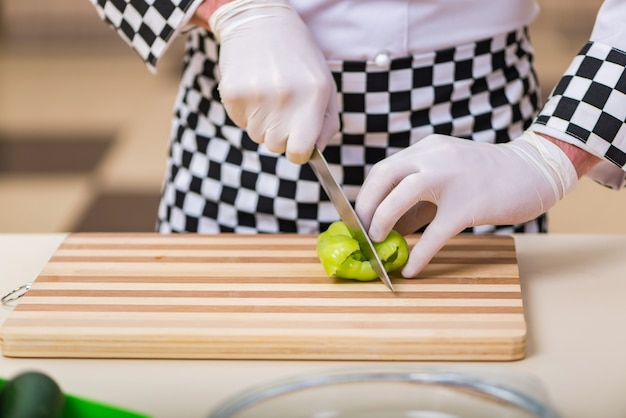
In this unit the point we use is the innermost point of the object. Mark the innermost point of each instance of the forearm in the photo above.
(204, 12)
(581, 159)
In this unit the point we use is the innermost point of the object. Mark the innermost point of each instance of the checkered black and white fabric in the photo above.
(146, 25)
(218, 180)
(589, 103)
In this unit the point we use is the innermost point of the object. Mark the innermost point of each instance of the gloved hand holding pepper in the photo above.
(454, 183)
(275, 81)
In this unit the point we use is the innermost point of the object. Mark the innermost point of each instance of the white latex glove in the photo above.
(275, 81)
(467, 183)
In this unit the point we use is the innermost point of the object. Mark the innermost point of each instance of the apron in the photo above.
(218, 180)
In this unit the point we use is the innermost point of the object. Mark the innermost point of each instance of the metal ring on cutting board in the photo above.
(16, 293)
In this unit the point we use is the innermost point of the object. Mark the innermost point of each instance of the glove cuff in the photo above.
(232, 14)
(558, 162)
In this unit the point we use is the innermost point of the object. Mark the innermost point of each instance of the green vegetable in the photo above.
(31, 395)
(341, 255)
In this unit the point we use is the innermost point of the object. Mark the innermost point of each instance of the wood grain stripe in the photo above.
(203, 325)
(256, 269)
(252, 294)
(304, 286)
(229, 279)
(304, 318)
(232, 258)
(209, 323)
(272, 309)
(270, 301)
(165, 259)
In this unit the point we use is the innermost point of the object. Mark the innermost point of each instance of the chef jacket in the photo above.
(587, 107)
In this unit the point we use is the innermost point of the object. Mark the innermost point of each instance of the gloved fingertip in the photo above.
(410, 271)
(376, 235)
(298, 155)
(298, 158)
(419, 258)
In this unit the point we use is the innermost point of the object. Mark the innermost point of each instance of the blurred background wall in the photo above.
(84, 126)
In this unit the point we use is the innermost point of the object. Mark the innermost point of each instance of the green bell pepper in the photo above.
(341, 255)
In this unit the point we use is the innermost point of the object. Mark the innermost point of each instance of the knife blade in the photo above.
(345, 210)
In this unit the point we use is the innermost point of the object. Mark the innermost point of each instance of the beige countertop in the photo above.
(574, 289)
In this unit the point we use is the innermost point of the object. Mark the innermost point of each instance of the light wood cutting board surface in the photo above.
(235, 296)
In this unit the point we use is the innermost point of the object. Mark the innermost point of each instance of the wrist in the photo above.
(550, 160)
(235, 13)
(581, 159)
(204, 12)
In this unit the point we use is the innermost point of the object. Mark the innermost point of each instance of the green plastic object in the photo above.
(77, 407)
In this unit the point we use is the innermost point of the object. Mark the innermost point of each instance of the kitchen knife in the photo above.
(345, 210)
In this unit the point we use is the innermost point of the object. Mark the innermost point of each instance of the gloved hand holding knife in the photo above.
(275, 81)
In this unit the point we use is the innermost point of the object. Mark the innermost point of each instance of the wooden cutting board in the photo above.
(264, 297)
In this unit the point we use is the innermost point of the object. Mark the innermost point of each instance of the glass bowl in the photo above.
(393, 393)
